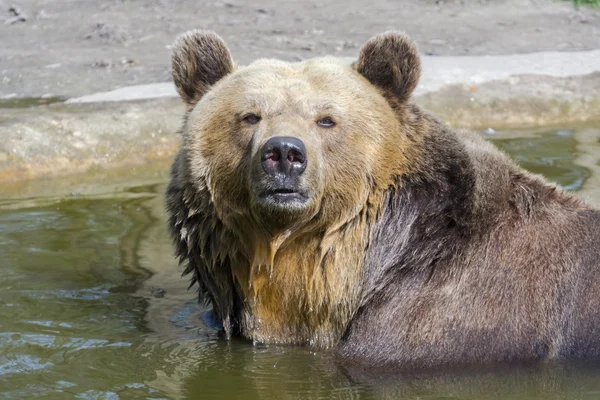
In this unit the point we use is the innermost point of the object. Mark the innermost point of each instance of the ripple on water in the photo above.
(80, 294)
(21, 364)
(549, 153)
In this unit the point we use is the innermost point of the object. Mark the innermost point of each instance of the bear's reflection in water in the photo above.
(239, 370)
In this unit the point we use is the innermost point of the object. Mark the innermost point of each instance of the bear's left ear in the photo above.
(391, 61)
(200, 59)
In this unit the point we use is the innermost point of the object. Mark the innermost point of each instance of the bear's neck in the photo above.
(307, 290)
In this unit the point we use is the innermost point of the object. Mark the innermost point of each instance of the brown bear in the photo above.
(315, 205)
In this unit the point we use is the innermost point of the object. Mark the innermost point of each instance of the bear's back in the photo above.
(520, 281)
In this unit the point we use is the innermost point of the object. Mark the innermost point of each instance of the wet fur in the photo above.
(444, 252)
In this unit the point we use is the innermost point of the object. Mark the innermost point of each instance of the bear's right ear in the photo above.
(200, 59)
(391, 62)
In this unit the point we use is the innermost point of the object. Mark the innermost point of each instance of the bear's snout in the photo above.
(284, 157)
(283, 160)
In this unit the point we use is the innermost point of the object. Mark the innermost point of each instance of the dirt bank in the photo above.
(72, 47)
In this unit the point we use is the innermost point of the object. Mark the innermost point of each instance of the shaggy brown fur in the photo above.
(417, 245)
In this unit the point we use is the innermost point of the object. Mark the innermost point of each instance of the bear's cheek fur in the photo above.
(351, 158)
(220, 158)
(347, 188)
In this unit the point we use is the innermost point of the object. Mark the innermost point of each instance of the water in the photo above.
(92, 306)
(26, 102)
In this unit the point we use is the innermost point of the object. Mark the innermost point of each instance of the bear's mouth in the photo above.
(283, 196)
(283, 191)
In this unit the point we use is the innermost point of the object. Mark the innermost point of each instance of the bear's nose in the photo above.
(284, 155)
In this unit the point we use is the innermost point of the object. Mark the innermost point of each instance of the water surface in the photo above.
(92, 306)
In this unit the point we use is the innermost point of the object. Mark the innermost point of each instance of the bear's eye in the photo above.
(326, 122)
(251, 119)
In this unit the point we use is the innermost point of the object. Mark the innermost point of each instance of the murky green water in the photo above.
(82, 316)
(26, 102)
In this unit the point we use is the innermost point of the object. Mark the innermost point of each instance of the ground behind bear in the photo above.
(71, 48)
(54, 50)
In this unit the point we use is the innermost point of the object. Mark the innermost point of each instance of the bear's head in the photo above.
(283, 147)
